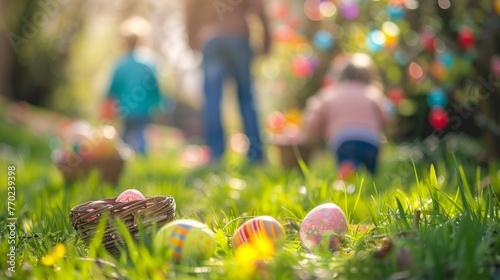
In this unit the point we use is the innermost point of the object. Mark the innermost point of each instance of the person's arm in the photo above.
(314, 121)
(382, 106)
(260, 10)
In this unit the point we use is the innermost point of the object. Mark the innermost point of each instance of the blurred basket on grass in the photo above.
(85, 149)
(290, 153)
(85, 218)
(74, 168)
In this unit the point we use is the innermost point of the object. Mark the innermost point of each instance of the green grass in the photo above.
(456, 237)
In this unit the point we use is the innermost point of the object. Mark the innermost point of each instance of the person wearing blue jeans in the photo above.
(222, 57)
(220, 32)
(134, 134)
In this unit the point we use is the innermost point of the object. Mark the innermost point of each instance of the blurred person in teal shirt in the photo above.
(134, 84)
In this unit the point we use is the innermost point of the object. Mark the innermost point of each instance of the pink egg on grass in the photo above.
(323, 227)
(130, 195)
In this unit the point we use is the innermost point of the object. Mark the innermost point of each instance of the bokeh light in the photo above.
(412, 4)
(438, 118)
(415, 71)
(270, 68)
(396, 95)
(391, 32)
(395, 12)
(239, 143)
(301, 67)
(495, 66)
(284, 33)
(375, 41)
(311, 10)
(394, 74)
(327, 9)
(466, 37)
(407, 107)
(411, 38)
(305, 49)
(436, 98)
(276, 121)
(444, 4)
(349, 9)
(401, 57)
(323, 40)
(447, 59)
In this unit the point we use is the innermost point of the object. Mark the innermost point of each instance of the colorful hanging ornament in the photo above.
(428, 39)
(349, 9)
(436, 98)
(391, 33)
(438, 118)
(301, 67)
(395, 12)
(311, 10)
(446, 58)
(396, 95)
(466, 37)
(323, 40)
(375, 41)
(495, 66)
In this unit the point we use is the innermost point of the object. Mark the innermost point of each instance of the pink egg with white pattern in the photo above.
(130, 195)
(323, 227)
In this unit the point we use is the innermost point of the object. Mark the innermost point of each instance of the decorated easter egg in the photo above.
(130, 195)
(323, 227)
(186, 241)
(257, 228)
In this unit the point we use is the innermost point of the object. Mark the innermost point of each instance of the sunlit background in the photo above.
(439, 63)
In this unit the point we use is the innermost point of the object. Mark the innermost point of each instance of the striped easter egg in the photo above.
(259, 227)
(186, 241)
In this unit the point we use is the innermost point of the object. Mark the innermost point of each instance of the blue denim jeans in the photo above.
(358, 152)
(134, 134)
(222, 57)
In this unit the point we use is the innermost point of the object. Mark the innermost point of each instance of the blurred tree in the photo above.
(39, 35)
(57, 53)
(439, 60)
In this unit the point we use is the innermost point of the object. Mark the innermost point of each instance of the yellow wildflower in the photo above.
(248, 255)
(57, 253)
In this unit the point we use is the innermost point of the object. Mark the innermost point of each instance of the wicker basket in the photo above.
(85, 218)
(109, 168)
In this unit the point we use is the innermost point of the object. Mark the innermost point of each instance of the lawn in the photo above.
(426, 215)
